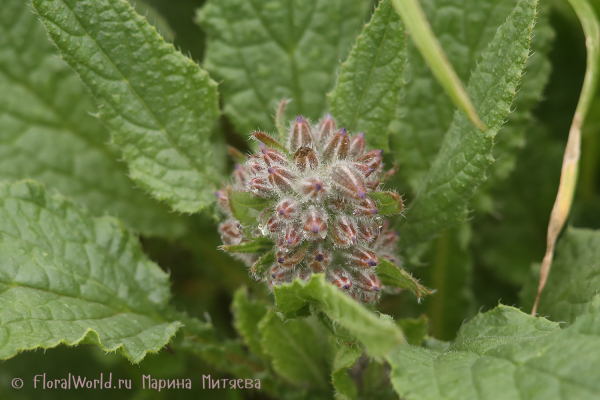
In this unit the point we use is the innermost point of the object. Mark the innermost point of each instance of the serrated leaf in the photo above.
(466, 153)
(254, 246)
(378, 336)
(506, 354)
(575, 277)
(388, 203)
(366, 93)
(245, 206)
(160, 105)
(392, 275)
(267, 51)
(48, 134)
(464, 29)
(414, 329)
(298, 350)
(66, 277)
(345, 357)
(247, 315)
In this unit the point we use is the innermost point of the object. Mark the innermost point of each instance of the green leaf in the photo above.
(66, 277)
(344, 358)
(506, 354)
(246, 315)
(266, 51)
(575, 276)
(378, 335)
(263, 263)
(392, 275)
(298, 349)
(464, 29)
(414, 330)
(366, 93)
(254, 246)
(160, 105)
(388, 203)
(245, 206)
(48, 134)
(466, 153)
(432, 52)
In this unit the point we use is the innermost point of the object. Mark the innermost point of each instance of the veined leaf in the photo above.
(506, 354)
(414, 330)
(298, 349)
(366, 93)
(466, 153)
(66, 277)
(48, 134)
(247, 315)
(254, 246)
(267, 51)
(344, 358)
(160, 105)
(575, 276)
(378, 335)
(388, 203)
(464, 29)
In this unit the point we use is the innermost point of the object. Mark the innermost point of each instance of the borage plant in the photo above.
(355, 191)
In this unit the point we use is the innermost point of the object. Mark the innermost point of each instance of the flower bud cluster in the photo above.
(320, 217)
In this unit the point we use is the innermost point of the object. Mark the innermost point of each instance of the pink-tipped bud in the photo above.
(291, 238)
(314, 224)
(301, 134)
(319, 259)
(340, 278)
(338, 204)
(222, 199)
(260, 186)
(306, 158)
(365, 208)
(255, 168)
(337, 146)
(365, 233)
(363, 258)
(231, 232)
(303, 274)
(288, 209)
(372, 158)
(326, 129)
(277, 273)
(362, 168)
(275, 225)
(313, 189)
(368, 281)
(273, 157)
(357, 145)
(240, 175)
(282, 178)
(343, 232)
(348, 182)
(288, 259)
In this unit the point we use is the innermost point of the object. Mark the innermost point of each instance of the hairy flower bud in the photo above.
(306, 158)
(288, 209)
(343, 232)
(319, 259)
(281, 178)
(326, 129)
(357, 145)
(373, 158)
(231, 232)
(260, 186)
(291, 238)
(314, 223)
(273, 157)
(290, 258)
(362, 258)
(337, 146)
(301, 134)
(348, 182)
(368, 281)
(340, 278)
(313, 189)
(365, 208)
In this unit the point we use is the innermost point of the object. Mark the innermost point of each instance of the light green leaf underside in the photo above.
(466, 153)
(247, 315)
(67, 277)
(464, 29)
(574, 278)
(506, 354)
(344, 358)
(378, 336)
(245, 206)
(48, 134)
(367, 90)
(264, 51)
(160, 105)
(298, 349)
